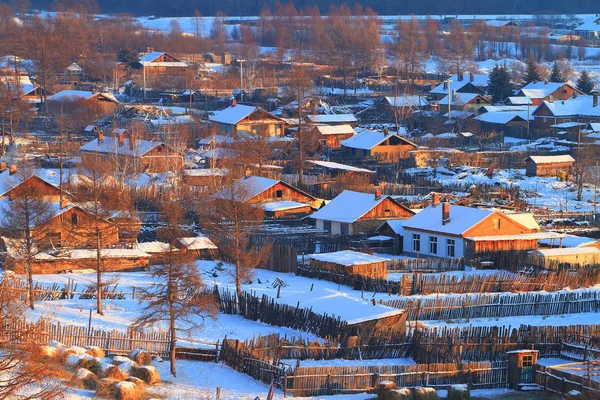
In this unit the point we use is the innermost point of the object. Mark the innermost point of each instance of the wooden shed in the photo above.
(568, 257)
(548, 165)
(199, 247)
(350, 262)
(520, 368)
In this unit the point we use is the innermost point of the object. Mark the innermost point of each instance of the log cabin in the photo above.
(380, 145)
(332, 119)
(332, 135)
(548, 165)
(69, 101)
(159, 69)
(582, 109)
(348, 262)
(240, 121)
(539, 92)
(472, 83)
(463, 102)
(450, 231)
(277, 198)
(351, 213)
(127, 154)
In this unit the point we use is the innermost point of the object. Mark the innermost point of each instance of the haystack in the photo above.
(47, 354)
(135, 380)
(398, 394)
(146, 373)
(86, 379)
(95, 351)
(141, 357)
(111, 371)
(424, 393)
(126, 391)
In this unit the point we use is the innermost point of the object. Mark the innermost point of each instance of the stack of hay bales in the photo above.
(391, 391)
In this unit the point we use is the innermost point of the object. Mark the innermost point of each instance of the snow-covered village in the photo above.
(313, 200)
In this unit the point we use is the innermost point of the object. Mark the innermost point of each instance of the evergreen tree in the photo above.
(532, 74)
(585, 83)
(499, 85)
(556, 75)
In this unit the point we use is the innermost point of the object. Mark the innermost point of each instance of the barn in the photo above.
(348, 262)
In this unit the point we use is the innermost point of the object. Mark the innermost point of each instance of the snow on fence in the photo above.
(498, 305)
(573, 377)
(113, 342)
(66, 291)
(332, 380)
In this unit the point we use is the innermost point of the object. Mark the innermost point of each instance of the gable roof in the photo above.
(349, 206)
(74, 95)
(540, 90)
(550, 159)
(111, 145)
(460, 99)
(367, 139)
(343, 129)
(234, 114)
(479, 80)
(251, 186)
(332, 118)
(578, 106)
(461, 219)
(407, 101)
(149, 59)
(502, 117)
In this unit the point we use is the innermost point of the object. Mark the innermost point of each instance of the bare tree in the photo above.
(177, 297)
(231, 222)
(23, 219)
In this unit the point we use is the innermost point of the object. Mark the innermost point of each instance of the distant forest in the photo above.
(382, 7)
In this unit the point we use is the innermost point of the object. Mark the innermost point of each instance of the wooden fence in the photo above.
(562, 379)
(425, 265)
(498, 305)
(70, 290)
(320, 381)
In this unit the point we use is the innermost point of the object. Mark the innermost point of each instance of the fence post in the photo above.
(218, 394)
(285, 384)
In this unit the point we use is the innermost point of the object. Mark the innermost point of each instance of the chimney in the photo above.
(377, 194)
(472, 76)
(233, 103)
(63, 203)
(13, 169)
(435, 200)
(454, 94)
(386, 131)
(445, 213)
(2, 166)
(247, 173)
(445, 85)
(100, 137)
(121, 138)
(595, 100)
(461, 76)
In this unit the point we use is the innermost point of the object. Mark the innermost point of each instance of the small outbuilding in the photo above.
(348, 262)
(548, 165)
(553, 259)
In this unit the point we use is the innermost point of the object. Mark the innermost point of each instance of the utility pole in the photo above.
(448, 81)
(241, 80)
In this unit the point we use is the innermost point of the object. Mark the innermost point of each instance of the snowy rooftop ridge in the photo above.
(111, 145)
(347, 258)
(367, 139)
(233, 114)
(71, 95)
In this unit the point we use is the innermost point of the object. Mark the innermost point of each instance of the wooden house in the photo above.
(277, 198)
(158, 251)
(348, 262)
(379, 145)
(204, 177)
(520, 369)
(450, 231)
(158, 69)
(548, 165)
(131, 155)
(69, 101)
(471, 83)
(241, 121)
(332, 119)
(589, 30)
(332, 135)
(198, 247)
(581, 109)
(351, 213)
(463, 102)
(403, 105)
(566, 257)
(539, 92)
(32, 186)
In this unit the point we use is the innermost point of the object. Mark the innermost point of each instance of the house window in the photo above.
(432, 245)
(387, 212)
(74, 219)
(279, 194)
(496, 223)
(450, 247)
(416, 242)
(527, 361)
(327, 226)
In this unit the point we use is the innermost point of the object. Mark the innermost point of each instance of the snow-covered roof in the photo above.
(502, 117)
(566, 251)
(461, 219)
(343, 129)
(589, 26)
(148, 59)
(594, 127)
(234, 114)
(214, 139)
(540, 90)
(396, 225)
(74, 95)
(206, 172)
(551, 159)
(460, 99)
(332, 118)
(111, 145)
(498, 23)
(519, 100)
(347, 258)
(407, 101)
(525, 219)
(155, 247)
(283, 205)
(479, 80)
(570, 241)
(249, 187)
(348, 206)
(338, 166)
(367, 139)
(517, 236)
(197, 243)
(577, 106)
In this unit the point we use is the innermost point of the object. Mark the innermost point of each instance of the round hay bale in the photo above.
(104, 385)
(86, 361)
(459, 392)
(77, 350)
(146, 373)
(424, 393)
(68, 356)
(86, 379)
(384, 387)
(118, 360)
(95, 351)
(135, 380)
(112, 372)
(141, 357)
(57, 344)
(47, 353)
(398, 394)
(126, 391)
(126, 366)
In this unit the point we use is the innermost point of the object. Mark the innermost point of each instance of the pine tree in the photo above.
(499, 85)
(585, 83)
(556, 75)
(532, 74)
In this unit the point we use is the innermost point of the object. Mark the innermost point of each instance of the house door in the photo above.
(527, 369)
